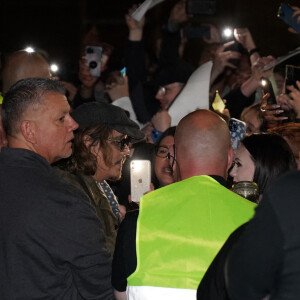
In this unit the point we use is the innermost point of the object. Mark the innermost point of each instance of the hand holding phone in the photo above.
(234, 47)
(285, 13)
(292, 74)
(268, 89)
(140, 178)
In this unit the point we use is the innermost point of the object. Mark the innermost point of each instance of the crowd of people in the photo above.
(69, 228)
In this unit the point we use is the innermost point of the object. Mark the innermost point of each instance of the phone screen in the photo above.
(292, 74)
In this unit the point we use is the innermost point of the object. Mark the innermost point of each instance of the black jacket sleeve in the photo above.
(256, 258)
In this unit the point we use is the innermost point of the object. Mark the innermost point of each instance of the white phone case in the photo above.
(140, 178)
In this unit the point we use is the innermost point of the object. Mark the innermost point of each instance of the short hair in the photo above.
(82, 159)
(26, 93)
(272, 157)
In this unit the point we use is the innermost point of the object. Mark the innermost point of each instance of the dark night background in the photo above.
(57, 25)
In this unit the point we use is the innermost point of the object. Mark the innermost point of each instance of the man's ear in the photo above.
(28, 130)
(229, 158)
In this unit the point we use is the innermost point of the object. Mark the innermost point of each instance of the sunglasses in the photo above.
(122, 143)
(163, 152)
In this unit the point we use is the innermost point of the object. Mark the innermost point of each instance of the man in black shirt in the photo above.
(51, 240)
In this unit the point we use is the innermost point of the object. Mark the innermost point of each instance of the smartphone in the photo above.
(237, 129)
(285, 13)
(237, 47)
(123, 72)
(196, 32)
(93, 56)
(267, 88)
(201, 7)
(292, 74)
(140, 178)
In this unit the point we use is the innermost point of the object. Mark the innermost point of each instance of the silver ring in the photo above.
(261, 109)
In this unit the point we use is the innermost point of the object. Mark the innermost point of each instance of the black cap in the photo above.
(94, 113)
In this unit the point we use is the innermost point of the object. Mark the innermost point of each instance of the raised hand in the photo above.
(222, 60)
(135, 27)
(244, 37)
(295, 14)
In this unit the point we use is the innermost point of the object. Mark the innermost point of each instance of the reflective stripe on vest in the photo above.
(181, 228)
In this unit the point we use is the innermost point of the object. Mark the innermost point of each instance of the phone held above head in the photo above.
(93, 56)
(285, 13)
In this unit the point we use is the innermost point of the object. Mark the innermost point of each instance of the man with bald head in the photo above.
(20, 65)
(203, 146)
(182, 226)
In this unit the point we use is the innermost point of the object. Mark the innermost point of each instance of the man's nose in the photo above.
(73, 124)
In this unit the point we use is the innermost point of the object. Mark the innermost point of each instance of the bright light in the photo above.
(228, 32)
(264, 82)
(54, 68)
(137, 165)
(29, 49)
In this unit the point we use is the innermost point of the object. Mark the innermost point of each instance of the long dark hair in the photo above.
(272, 157)
(83, 160)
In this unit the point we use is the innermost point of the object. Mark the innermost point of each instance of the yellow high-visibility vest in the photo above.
(181, 228)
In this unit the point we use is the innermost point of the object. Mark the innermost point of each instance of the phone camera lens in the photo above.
(93, 64)
(89, 50)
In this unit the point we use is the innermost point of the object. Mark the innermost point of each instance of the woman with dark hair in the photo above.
(164, 157)
(261, 158)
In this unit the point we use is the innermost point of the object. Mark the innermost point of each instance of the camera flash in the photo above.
(29, 49)
(54, 68)
(137, 165)
(263, 82)
(228, 32)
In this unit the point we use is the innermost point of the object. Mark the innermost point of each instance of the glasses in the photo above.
(163, 152)
(122, 143)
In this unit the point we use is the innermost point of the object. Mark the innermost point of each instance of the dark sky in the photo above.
(57, 25)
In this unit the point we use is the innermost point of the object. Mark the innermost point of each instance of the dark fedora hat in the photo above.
(94, 113)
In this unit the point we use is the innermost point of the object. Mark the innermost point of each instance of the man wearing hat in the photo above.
(101, 145)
